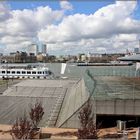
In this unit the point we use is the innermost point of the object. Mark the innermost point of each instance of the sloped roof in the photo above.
(16, 100)
(135, 57)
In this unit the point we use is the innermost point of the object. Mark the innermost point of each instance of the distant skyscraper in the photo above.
(33, 48)
(44, 49)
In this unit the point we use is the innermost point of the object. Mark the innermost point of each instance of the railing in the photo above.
(128, 71)
(113, 89)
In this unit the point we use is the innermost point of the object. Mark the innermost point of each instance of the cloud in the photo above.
(107, 21)
(111, 28)
(64, 4)
(46, 16)
(110, 22)
(4, 14)
(126, 37)
(19, 26)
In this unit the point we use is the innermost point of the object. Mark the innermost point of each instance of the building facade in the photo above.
(33, 48)
(44, 49)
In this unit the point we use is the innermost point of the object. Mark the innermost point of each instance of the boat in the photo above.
(29, 71)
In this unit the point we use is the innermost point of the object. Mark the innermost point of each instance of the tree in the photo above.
(88, 125)
(36, 113)
(22, 129)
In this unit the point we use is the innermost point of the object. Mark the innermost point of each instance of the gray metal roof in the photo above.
(116, 87)
(135, 57)
(17, 99)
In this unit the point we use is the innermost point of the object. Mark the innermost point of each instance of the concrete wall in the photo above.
(107, 107)
(118, 107)
(75, 98)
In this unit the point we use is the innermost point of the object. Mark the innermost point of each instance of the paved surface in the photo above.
(61, 133)
(6, 84)
(5, 135)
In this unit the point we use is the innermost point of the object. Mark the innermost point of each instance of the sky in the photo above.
(70, 27)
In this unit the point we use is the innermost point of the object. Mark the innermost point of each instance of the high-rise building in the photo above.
(44, 49)
(33, 49)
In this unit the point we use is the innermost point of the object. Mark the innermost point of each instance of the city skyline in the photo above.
(70, 27)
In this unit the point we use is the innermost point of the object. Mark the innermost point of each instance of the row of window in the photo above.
(38, 77)
(23, 72)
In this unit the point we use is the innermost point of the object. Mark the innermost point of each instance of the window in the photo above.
(13, 72)
(46, 72)
(23, 72)
(28, 72)
(3, 72)
(8, 72)
(39, 72)
(50, 72)
(33, 72)
(18, 72)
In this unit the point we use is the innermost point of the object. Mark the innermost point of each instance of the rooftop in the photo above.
(116, 87)
(16, 100)
(135, 57)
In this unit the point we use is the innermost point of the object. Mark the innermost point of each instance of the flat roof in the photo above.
(45, 83)
(116, 87)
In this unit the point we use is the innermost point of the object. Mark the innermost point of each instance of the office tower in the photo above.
(33, 49)
(44, 49)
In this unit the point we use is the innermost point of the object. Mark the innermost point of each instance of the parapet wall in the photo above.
(118, 107)
(74, 99)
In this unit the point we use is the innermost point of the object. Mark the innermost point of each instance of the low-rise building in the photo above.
(41, 58)
(19, 57)
(93, 57)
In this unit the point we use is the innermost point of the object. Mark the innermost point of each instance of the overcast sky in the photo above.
(70, 27)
